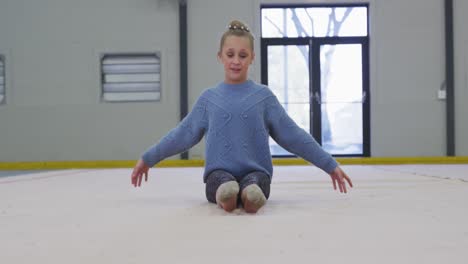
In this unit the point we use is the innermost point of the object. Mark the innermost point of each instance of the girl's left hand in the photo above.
(340, 178)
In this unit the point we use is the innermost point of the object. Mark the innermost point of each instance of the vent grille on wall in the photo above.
(2, 79)
(131, 77)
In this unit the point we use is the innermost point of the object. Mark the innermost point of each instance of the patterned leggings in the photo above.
(218, 177)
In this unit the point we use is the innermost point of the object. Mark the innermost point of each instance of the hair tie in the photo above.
(236, 27)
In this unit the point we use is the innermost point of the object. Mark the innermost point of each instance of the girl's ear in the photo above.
(219, 56)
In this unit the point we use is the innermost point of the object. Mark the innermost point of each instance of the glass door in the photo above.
(288, 76)
(341, 93)
(323, 85)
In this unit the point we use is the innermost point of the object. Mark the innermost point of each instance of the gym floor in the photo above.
(394, 214)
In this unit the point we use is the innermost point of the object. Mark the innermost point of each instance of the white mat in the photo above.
(395, 214)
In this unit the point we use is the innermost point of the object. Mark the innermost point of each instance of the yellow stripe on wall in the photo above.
(50, 165)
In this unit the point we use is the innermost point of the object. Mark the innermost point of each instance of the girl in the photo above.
(237, 116)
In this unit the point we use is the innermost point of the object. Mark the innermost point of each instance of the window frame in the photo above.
(314, 43)
(312, 5)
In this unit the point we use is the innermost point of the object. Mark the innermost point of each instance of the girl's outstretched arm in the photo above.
(181, 138)
(297, 141)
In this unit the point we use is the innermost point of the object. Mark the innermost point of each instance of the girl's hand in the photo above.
(137, 175)
(338, 177)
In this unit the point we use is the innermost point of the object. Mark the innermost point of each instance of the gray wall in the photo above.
(52, 50)
(408, 69)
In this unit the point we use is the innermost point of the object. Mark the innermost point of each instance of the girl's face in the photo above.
(236, 56)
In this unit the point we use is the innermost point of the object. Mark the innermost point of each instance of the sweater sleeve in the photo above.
(181, 138)
(295, 139)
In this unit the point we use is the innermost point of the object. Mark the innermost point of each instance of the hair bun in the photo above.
(237, 25)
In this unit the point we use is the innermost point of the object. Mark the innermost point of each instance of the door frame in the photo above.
(315, 114)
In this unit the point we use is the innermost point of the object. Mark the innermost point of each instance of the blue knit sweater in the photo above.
(237, 120)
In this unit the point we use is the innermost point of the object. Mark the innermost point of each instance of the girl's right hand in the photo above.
(137, 175)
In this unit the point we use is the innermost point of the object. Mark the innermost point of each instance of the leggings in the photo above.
(218, 177)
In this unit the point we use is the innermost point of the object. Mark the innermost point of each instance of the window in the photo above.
(131, 77)
(2, 79)
(315, 59)
(325, 21)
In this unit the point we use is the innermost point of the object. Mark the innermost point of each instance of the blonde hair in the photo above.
(237, 28)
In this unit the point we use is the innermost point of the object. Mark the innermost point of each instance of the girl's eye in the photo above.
(230, 55)
(243, 56)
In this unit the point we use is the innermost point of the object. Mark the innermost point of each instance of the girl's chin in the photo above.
(235, 76)
(236, 79)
